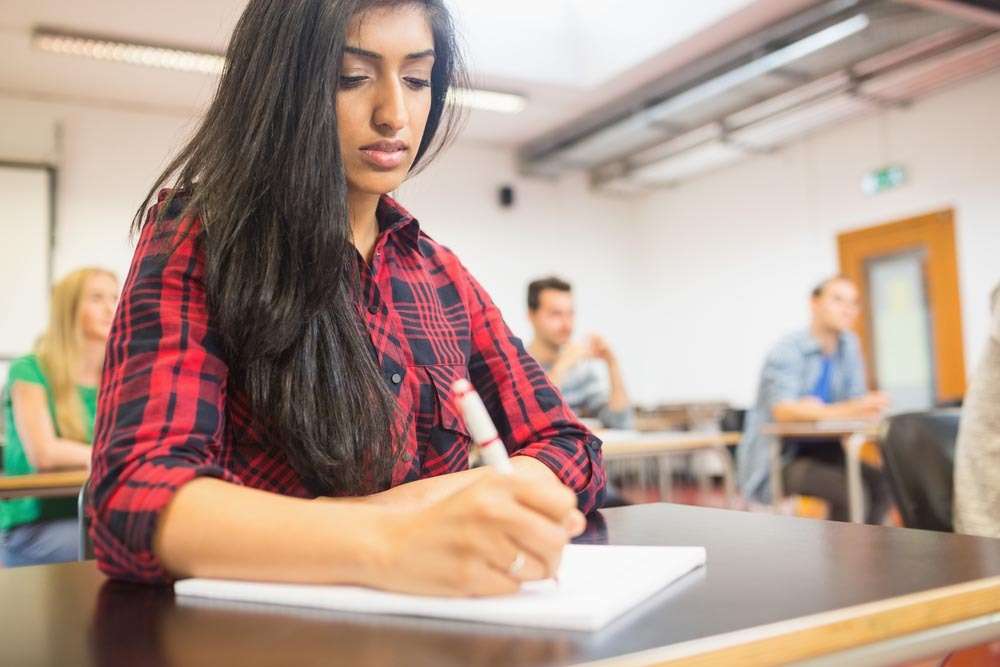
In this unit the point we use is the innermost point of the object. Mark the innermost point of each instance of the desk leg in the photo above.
(777, 484)
(728, 473)
(665, 472)
(855, 492)
(697, 463)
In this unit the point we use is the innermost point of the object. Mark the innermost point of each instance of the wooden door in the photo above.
(924, 244)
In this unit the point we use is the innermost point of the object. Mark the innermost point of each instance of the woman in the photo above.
(275, 403)
(49, 405)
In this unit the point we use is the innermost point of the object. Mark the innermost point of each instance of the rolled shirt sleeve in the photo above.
(781, 378)
(161, 410)
(530, 413)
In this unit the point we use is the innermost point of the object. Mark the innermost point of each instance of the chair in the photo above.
(86, 549)
(919, 455)
(733, 419)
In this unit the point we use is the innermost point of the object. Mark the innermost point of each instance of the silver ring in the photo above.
(518, 564)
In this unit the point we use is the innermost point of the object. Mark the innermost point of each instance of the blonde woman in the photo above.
(49, 405)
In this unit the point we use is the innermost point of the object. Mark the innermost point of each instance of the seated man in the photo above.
(977, 457)
(813, 375)
(591, 391)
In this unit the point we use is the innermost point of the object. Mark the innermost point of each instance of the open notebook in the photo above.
(596, 585)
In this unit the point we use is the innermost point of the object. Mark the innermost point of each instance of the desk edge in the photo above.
(826, 632)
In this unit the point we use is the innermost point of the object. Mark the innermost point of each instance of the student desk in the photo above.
(852, 436)
(620, 445)
(44, 484)
(776, 589)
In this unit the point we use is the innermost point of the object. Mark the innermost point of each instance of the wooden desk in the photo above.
(852, 436)
(44, 484)
(620, 445)
(776, 589)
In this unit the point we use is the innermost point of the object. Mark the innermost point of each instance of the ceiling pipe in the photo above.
(970, 11)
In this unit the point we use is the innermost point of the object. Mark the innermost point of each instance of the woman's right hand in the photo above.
(467, 543)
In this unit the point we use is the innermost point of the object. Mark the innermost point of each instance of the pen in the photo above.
(487, 440)
(481, 428)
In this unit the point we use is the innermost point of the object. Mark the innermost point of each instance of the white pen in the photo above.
(481, 428)
(487, 440)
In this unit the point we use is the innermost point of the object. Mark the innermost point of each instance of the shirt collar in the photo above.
(809, 345)
(393, 219)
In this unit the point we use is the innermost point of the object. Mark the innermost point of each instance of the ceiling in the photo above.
(567, 56)
(835, 60)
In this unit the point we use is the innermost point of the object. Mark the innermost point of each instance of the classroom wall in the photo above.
(730, 257)
(108, 158)
(558, 227)
(691, 285)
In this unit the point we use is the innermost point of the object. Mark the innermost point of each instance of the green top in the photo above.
(18, 511)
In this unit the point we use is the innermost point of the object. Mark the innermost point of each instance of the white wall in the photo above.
(107, 159)
(731, 256)
(26, 216)
(553, 228)
(691, 285)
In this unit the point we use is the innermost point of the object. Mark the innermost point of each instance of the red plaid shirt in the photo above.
(166, 414)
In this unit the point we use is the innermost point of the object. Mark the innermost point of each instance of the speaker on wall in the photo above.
(506, 195)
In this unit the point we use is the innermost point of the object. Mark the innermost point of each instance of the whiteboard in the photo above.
(25, 232)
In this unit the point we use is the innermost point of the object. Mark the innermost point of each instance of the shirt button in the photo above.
(373, 310)
(407, 457)
(396, 378)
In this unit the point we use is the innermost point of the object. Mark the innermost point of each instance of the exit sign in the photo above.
(881, 180)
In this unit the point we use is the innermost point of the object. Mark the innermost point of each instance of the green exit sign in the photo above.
(881, 180)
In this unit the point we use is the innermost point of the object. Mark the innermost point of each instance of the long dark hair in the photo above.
(264, 174)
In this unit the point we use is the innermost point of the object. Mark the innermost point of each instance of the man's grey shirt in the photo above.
(586, 388)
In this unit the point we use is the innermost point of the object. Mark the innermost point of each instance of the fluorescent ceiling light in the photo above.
(679, 144)
(689, 163)
(623, 186)
(910, 82)
(650, 125)
(205, 62)
(487, 100)
(761, 66)
(793, 124)
(813, 91)
(134, 53)
(759, 136)
(612, 141)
